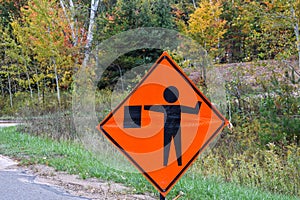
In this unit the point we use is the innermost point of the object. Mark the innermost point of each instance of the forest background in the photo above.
(43, 43)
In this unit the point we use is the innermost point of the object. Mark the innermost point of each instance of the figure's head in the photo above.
(171, 94)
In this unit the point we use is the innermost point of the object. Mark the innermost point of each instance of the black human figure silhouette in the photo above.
(172, 119)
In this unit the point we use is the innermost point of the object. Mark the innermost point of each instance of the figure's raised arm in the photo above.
(155, 108)
(191, 110)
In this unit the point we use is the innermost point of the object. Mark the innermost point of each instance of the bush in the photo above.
(263, 149)
(57, 125)
(43, 116)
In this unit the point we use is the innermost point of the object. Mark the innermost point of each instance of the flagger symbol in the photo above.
(172, 120)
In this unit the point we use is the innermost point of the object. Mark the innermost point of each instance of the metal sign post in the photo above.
(162, 197)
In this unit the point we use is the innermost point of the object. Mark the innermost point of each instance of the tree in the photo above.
(90, 33)
(82, 30)
(287, 15)
(295, 16)
(10, 9)
(126, 15)
(206, 27)
(273, 29)
(9, 67)
(42, 32)
(162, 16)
(237, 25)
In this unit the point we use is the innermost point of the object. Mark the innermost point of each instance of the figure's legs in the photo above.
(167, 144)
(177, 142)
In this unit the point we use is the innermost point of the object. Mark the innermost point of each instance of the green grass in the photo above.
(73, 158)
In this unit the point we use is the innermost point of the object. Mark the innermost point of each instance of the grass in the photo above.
(73, 158)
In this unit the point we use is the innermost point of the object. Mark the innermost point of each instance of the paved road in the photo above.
(7, 123)
(17, 185)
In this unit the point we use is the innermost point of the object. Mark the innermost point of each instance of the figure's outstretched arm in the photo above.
(155, 108)
(190, 110)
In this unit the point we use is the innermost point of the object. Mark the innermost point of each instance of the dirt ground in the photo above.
(92, 188)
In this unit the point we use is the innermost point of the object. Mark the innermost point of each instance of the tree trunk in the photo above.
(37, 84)
(296, 31)
(29, 84)
(28, 78)
(43, 90)
(71, 19)
(10, 90)
(2, 89)
(298, 43)
(87, 48)
(56, 81)
(194, 4)
(121, 77)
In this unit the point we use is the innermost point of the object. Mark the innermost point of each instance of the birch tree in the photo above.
(70, 12)
(90, 32)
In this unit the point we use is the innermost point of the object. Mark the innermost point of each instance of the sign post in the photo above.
(163, 124)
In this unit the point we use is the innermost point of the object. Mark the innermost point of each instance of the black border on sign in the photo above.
(200, 150)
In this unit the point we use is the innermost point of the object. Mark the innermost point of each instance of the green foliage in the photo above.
(274, 101)
(206, 26)
(259, 30)
(161, 14)
(239, 157)
(262, 149)
(139, 58)
(126, 15)
(10, 9)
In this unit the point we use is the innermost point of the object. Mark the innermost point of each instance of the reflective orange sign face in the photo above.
(164, 124)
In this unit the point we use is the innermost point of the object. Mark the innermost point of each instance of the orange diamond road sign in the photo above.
(163, 124)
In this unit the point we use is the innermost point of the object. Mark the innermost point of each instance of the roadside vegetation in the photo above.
(75, 159)
(260, 151)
